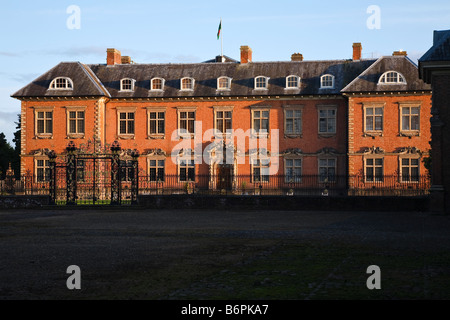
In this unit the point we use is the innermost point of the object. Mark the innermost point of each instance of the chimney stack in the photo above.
(246, 54)
(113, 57)
(357, 51)
(297, 57)
(400, 53)
(126, 60)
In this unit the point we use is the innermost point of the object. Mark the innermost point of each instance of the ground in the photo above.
(199, 254)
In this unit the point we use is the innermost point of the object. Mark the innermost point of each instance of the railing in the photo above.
(248, 185)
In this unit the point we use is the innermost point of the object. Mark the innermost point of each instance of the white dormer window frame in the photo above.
(61, 83)
(292, 82)
(224, 83)
(184, 82)
(127, 84)
(327, 81)
(153, 86)
(261, 83)
(392, 77)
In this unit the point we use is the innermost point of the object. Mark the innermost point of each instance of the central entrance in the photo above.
(225, 177)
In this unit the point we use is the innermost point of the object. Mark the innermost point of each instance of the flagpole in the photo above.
(221, 43)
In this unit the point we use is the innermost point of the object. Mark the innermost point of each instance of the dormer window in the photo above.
(187, 84)
(292, 82)
(224, 83)
(127, 85)
(392, 77)
(157, 84)
(261, 83)
(61, 83)
(327, 81)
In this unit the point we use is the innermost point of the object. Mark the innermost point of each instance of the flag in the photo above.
(220, 28)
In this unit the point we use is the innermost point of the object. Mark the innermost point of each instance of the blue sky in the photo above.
(35, 36)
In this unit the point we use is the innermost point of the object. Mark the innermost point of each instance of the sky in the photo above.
(37, 35)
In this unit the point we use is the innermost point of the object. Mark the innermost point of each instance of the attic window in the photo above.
(224, 83)
(127, 85)
(157, 84)
(327, 81)
(187, 84)
(392, 77)
(292, 82)
(261, 83)
(61, 83)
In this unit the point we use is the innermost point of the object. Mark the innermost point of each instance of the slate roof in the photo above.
(85, 82)
(440, 51)
(368, 80)
(103, 80)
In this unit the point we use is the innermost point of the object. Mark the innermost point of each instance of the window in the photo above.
(410, 120)
(327, 120)
(374, 169)
(44, 123)
(293, 121)
(261, 83)
(186, 122)
(293, 170)
(261, 121)
(374, 118)
(156, 170)
(157, 84)
(61, 84)
(327, 81)
(327, 170)
(409, 168)
(186, 170)
(292, 82)
(156, 124)
(42, 170)
(223, 83)
(76, 122)
(392, 77)
(223, 121)
(126, 123)
(187, 84)
(127, 85)
(260, 169)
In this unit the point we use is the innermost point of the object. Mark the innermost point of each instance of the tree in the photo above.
(6, 155)
(17, 147)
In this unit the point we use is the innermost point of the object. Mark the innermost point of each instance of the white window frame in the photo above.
(157, 167)
(374, 166)
(187, 110)
(46, 168)
(293, 108)
(68, 84)
(400, 79)
(327, 166)
(263, 163)
(45, 110)
(410, 166)
(152, 86)
(77, 134)
(157, 135)
(322, 80)
(373, 106)
(327, 108)
(260, 109)
(228, 86)
(126, 110)
(190, 164)
(298, 82)
(296, 178)
(266, 83)
(182, 88)
(408, 132)
(222, 109)
(131, 84)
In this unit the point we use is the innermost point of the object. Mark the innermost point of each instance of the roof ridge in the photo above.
(95, 80)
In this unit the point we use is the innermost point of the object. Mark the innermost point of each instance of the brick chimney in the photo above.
(113, 57)
(357, 51)
(126, 60)
(297, 57)
(400, 53)
(246, 54)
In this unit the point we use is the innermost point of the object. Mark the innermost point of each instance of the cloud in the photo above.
(9, 54)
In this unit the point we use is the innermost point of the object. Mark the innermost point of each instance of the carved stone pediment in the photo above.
(154, 152)
(292, 152)
(410, 150)
(327, 151)
(40, 152)
(374, 150)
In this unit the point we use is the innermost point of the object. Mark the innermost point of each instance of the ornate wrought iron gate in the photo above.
(94, 178)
